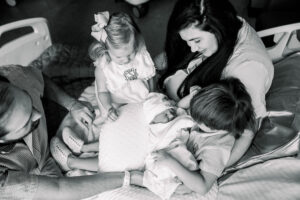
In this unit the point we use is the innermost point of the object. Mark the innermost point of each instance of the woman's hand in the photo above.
(112, 114)
(82, 112)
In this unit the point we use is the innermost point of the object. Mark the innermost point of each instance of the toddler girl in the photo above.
(221, 112)
(124, 74)
(124, 69)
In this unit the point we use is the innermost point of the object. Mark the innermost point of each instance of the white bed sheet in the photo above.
(276, 179)
(138, 193)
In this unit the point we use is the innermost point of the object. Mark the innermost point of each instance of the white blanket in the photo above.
(172, 137)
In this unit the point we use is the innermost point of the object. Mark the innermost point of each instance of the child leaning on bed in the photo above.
(124, 69)
(124, 74)
(221, 112)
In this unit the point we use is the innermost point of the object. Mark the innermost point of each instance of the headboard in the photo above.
(286, 40)
(28, 47)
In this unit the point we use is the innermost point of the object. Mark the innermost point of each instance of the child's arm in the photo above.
(200, 182)
(240, 147)
(104, 95)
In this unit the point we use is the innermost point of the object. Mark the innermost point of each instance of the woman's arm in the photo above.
(82, 186)
(82, 112)
(199, 182)
(17, 185)
(185, 101)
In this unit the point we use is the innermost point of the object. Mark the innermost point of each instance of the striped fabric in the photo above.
(271, 180)
(277, 179)
(137, 193)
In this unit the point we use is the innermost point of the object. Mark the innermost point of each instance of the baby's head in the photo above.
(224, 106)
(122, 42)
(158, 109)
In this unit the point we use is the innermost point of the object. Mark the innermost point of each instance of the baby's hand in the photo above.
(113, 114)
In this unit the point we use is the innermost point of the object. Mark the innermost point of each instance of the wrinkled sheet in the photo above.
(276, 179)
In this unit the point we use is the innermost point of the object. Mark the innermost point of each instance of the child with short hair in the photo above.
(221, 112)
(124, 69)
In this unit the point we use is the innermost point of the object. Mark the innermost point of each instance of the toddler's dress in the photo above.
(126, 83)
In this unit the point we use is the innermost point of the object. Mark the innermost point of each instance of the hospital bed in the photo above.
(270, 168)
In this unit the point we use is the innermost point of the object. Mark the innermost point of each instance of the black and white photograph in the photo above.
(150, 100)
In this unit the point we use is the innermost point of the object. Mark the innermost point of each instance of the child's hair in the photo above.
(120, 30)
(6, 100)
(225, 105)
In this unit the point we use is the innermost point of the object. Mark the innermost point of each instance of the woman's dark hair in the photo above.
(6, 99)
(216, 16)
(225, 105)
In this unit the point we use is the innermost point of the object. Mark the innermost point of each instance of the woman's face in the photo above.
(200, 41)
(22, 118)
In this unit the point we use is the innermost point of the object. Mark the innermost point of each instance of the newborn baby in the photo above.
(169, 131)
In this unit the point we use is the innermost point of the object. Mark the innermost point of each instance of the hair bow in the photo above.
(98, 31)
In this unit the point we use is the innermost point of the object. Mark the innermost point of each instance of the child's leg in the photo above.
(91, 147)
(90, 163)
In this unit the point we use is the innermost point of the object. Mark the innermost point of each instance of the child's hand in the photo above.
(113, 114)
(162, 157)
(182, 189)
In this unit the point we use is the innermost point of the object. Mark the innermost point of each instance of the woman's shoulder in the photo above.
(248, 42)
(249, 47)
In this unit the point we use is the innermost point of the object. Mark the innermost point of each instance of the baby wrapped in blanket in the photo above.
(169, 131)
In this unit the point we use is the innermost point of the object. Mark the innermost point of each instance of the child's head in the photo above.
(158, 109)
(224, 106)
(121, 39)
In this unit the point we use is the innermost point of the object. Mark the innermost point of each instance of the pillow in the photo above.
(273, 140)
(123, 143)
(284, 93)
(278, 135)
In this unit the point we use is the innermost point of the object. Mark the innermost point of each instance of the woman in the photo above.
(206, 42)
